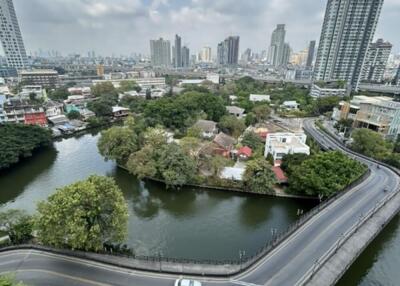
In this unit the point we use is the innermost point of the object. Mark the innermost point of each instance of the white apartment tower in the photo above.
(376, 61)
(10, 36)
(348, 29)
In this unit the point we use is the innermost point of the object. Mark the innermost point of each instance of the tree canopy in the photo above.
(84, 215)
(231, 125)
(117, 143)
(17, 224)
(371, 144)
(104, 88)
(324, 174)
(258, 177)
(19, 141)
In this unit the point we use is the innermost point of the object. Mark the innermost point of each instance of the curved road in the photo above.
(285, 265)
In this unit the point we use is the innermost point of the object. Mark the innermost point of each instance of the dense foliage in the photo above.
(259, 177)
(371, 144)
(7, 280)
(323, 174)
(84, 215)
(117, 143)
(19, 141)
(231, 125)
(17, 225)
(183, 111)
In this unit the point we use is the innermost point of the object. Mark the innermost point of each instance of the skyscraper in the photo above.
(205, 55)
(177, 55)
(348, 29)
(160, 51)
(185, 57)
(375, 61)
(286, 52)
(228, 51)
(11, 37)
(276, 49)
(311, 54)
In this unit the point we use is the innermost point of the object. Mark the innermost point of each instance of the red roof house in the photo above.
(280, 175)
(244, 153)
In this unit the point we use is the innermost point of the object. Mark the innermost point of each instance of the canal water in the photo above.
(190, 223)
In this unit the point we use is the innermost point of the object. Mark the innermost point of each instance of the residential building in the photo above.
(144, 83)
(324, 89)
(213, 77)
(21, 111)
(10, 36)
(348, 29)
(205, 55)
(300, 58)
(290, 105)
(376, 61)
(100, 70)
(287, 51)
(43, 77)
(311, 54)
(120, 112)
(33, 90)
(236, 111)
(160, 51)
(185, 57)
(277, 47)
(177, 52)
(259, 98)
(228, 51)
(233, 173)
(2, 101)
(378, 113)
(280, 144)
(244, 153)
(223, 144)
(53, 108)
(207, 128)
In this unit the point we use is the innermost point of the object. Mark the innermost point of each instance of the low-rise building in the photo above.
(21, 111)
(120, 112)
(213, 77)
(208, 128)
(224, 144)
(36, 90)
(83, 91)
(236, 111)
(379, 113)
(284, 143)
(53, 108)
(260, 98)
(290, 105)
(328, 89)
(42, 77)
(244, 153)
(144, 83)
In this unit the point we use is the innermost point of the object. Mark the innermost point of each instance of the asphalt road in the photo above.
(285, 265)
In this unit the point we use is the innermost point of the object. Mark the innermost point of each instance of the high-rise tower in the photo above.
(10, 36)
(348, 29)
(276, 52)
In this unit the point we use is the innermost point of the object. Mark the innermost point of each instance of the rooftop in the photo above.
(206, 125)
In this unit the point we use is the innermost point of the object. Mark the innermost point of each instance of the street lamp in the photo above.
(242, 253)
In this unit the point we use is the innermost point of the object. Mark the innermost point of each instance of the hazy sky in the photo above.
(126, 26)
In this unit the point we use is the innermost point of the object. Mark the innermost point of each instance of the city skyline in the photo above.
(201, 23)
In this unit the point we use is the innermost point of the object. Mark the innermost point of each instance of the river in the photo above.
(190, 223)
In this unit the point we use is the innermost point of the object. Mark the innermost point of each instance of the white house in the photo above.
(260, 97)
(281, 144)
(290, 105)
(213, 77)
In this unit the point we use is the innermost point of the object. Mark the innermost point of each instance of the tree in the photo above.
(371, 144)
(84, 215)
(252, 140)
(117, 143)
(290, 161)
(250, 119)
(262, 112)
(143, 163)
(231, 125)
(217, 164)
(258, 177)
(104, 88)
(100, 107)
(7, 280)
(194, 131)
(59, 93)
(19, 141)
(73, 114)
(129, 85)
(156, 137)
(190, 145)
(175, 167)
(17, 224)
(324, 174)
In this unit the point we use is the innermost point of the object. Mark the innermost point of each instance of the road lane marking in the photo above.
(60, 275)
(243, 283)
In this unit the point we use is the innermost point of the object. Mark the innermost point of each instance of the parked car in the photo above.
(187, 282)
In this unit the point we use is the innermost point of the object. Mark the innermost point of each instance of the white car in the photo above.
(187, 282)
